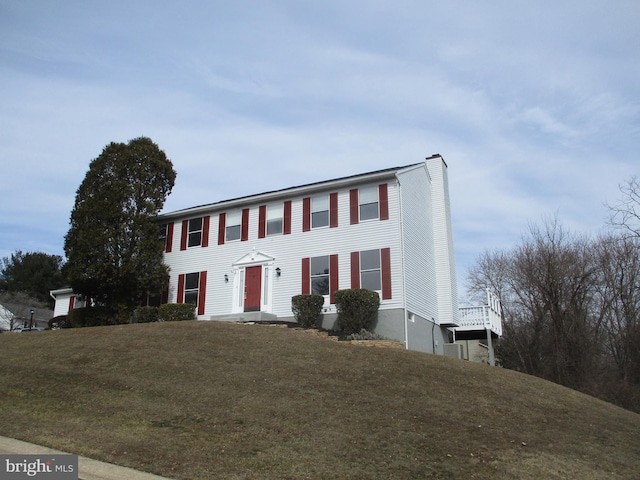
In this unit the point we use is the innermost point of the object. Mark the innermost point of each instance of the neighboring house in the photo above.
(388, 231)
(15, 316)
(8, 320)
(65, 301)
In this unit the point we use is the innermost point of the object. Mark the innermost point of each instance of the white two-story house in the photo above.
(388, 231)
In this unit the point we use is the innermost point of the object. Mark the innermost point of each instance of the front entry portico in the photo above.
(253, 283)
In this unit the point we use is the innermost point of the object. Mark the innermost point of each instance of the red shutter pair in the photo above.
(385, 267)
(185, 234)
(383, 204)
(244, 229)
(333, 277)
(262, 220)
(333, 212)
(202, 290)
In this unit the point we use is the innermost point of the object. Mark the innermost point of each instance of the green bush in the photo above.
(306, 309)
(357, 309)
(91, 317)
(175, 312)
(147, 314)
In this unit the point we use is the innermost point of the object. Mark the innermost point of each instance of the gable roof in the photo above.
(275, 194)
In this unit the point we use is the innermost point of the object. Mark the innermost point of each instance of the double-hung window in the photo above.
(371, 269)
(320, 211)
(319, 274)
(195, 232)
(275, 217)
(234, 225)
(368, 203)
(191, 288)
(370, 272)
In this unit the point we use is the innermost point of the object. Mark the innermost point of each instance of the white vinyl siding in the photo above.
(288, 250)
(417, 234)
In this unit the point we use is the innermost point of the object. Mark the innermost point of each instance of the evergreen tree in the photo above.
(31, 273)
(113, 247)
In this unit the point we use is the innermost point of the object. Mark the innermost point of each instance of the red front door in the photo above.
(252, 288)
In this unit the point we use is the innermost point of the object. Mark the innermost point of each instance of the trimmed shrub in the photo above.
(147, 314)
(357, 309)
(306, 309)
(91, 317)
(176, 312)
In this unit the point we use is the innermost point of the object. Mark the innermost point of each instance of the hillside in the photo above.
(204, 400)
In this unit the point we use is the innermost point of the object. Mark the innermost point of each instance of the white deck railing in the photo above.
(482, 317)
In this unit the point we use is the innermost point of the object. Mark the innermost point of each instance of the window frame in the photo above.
(229, 226)
(324, 276)
(195, 232)
(366, 272)
(191, 290)
(279, 217)
(368, 191)
(324, 215)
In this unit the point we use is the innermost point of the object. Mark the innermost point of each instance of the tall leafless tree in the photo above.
(625, 214)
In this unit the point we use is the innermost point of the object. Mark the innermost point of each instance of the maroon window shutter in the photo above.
(383, 201)
(333, 210)
(169, 239)
(180, 298)
(202, 292)
(333, 277)
(183, 237)
(222, 224)
(306, 214)
(306, 276)
(262, 221)
(72, 302)
(205, 230)
(385, 266)
(286, 230)
(355, 269)
(244, 233)
(353, 206)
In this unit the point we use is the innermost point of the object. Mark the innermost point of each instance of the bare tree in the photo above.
(625, 214)
(547, 287)
(619, 287)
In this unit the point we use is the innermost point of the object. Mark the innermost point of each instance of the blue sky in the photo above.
(535, 106)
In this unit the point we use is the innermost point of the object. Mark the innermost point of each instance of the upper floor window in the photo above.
(368, 203)
(275, 217)
(319, 211)
(166, 236)
(195, 232)
(234, 226)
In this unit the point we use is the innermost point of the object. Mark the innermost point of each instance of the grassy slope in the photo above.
(199, 400)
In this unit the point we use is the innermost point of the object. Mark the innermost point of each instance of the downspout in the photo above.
(404, 290)
(433, 340)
